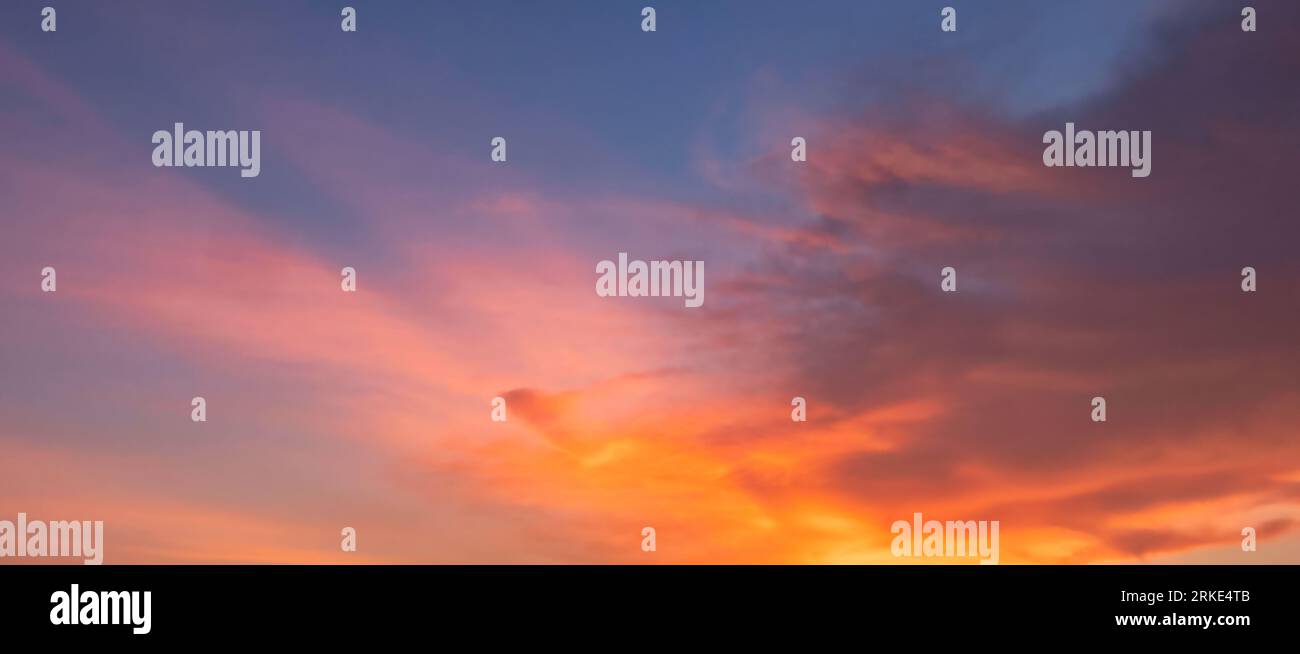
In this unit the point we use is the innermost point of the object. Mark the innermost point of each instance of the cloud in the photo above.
(1073, 284)
(823, 283)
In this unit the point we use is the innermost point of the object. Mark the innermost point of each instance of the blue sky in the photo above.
(554, 72)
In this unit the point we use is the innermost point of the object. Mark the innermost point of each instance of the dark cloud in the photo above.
(1073, 283)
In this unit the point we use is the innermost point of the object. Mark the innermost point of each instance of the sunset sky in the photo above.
(475, 279)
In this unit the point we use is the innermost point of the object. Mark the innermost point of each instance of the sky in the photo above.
(475, 280)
